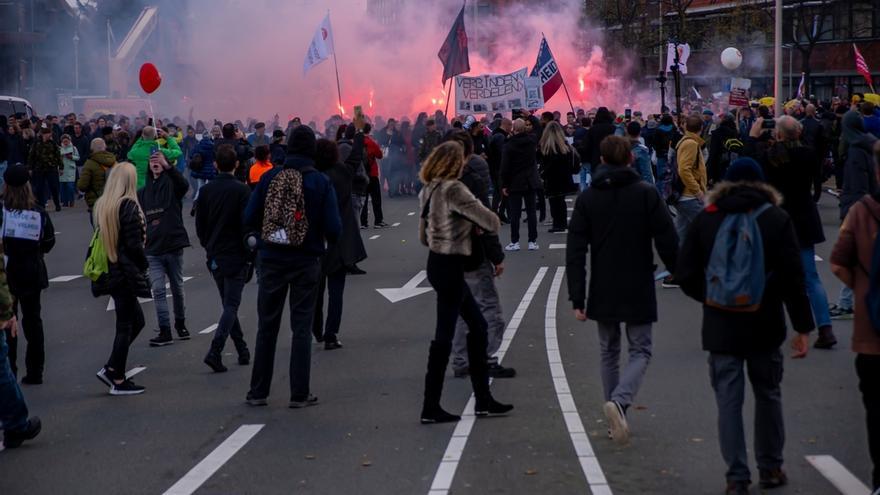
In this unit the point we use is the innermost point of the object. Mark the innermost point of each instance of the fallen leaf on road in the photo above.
(641, 408)
(366, 463)
(531, 472)
(696, 440)
(310, 457)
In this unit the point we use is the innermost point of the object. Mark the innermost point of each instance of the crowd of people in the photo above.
(286, 206)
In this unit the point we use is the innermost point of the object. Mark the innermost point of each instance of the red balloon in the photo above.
(150, 78)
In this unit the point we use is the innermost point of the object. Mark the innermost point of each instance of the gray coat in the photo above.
(445, 225)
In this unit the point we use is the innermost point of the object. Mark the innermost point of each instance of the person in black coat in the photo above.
(520, 182)
(162, 201)
(121, 229)
(618, 217)
(736, 339)
(603, 126)
(494, 150)
(349, 249)
(558, 161)
(28, 234)
(221, 232)
(720, 149)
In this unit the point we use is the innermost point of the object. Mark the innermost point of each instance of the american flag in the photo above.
(862, 66)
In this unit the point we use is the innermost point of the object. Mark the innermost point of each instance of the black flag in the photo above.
(454, 52)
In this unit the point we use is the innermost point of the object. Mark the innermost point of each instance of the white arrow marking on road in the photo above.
(65, 278)
(838, 475)
(410, 213)
(557, 246)
(199, 474)
(111, 306)
(409, 289)
(134, 371)
(397, 224)
(209, 329)
(373, 238)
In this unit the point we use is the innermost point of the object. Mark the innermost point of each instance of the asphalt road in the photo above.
(189, 430)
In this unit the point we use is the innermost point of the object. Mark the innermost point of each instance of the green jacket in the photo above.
(6, 313)
(139, 155)
(45, 157)
(94, 175)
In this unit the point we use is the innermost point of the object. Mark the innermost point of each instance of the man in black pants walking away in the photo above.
(221, 232)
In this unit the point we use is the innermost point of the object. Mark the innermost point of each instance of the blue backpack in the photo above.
(735, 276)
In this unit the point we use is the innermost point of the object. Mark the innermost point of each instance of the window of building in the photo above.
(862, 20)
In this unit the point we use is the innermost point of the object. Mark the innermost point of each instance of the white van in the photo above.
(10, 105)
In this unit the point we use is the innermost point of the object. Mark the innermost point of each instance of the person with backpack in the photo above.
(641, 154)
(119, 237)
(295, 211)
(450, 213)
(162, 201)
(665, 138)
(28, 234)
(743, 282)
(618, 217)
(855, 260)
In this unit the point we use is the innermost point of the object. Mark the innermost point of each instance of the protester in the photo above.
(618, 217)
(260, 166)
(221, 232)
(449, 214)
(558, 161)
(142, 150)
(202, 163)
(520, 182)
(28, 234)
(94, 173)
(859, 179)
(693, 176)
(374, 189)
(259, 137)
(853, 261)
(277, 149)
(494, 151)
(69, 159)
(44, 162)
(286, 264)
(162, 201)
(349, 249)
(641, 154)
(122, 230)
(751, 336)
(724, 145)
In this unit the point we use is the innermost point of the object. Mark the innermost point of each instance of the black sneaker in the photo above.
(670, 283)
(127, 387)
(311, 400)
(773, 478)
(737, 488)
(32, 380)
(380, 225)
(183, 333)
(215, 363)
(255, 401)
(437, 415)
(491, 408)
(498, 371)
(103, 374)
(164, 338)
(244, 357)
(332, 345)
(14, 438)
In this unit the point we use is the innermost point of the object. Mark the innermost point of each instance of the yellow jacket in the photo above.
(691, 165)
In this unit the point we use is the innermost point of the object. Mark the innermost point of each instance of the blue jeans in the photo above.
(846, 298)
(585, 176)
(815, 290)
(13, 410)
(728, 381)
(662, 176)
(68, 193)
(300, 277)
(170, 264)
(687, 212)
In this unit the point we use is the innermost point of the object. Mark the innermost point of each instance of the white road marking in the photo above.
(838, 475)
(373, 238)
(409, 289)
(111, 305)
(557, 246)
(571, 209)
(579, 439)
(199, 474)
(412, 213)
(817, 258)
(134, 371)
(446, 471)
(569, 200)
(209, 329)
(396, 224)
(65, 278)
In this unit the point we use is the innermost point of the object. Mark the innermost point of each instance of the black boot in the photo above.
(244, 355)
(478, 365)
(164, 338)
(214, 358)
(438, 358)
(180, 326)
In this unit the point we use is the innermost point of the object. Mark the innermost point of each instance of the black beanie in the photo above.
(16, 175)
(302, 142)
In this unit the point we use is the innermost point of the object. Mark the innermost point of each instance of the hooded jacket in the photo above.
(618, 217)
(859, 178)
(162, 202)
(139, 155)
(94, 175)
(519, 167)
(603, 126)
(25, 269)
(129, 273)
(718, 159)
(741, 333)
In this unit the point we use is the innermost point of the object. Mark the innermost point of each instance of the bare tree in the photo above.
(811, 23)
(624, 20)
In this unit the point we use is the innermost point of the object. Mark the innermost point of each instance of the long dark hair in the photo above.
(19, 198)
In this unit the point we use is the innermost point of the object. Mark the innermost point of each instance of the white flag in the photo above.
(684, 53)
(321, 46)
(800, 93)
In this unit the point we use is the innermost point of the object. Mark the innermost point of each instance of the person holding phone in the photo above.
(144, 148)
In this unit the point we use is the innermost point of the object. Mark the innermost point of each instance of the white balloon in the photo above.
(731, 58)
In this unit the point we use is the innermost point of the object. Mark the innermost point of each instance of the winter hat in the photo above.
(16, 175)
(744, 170)
(302, 142)
(708, 112)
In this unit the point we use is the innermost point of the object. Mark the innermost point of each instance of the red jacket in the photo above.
(374, 152)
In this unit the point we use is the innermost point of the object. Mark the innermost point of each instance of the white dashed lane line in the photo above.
(557, 246)
(134, 371)
(396, 224)
(412, 213)
(209, 329)
(373, 238)
(65, 278)
(838, 475)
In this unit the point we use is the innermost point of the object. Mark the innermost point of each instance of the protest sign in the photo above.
(490, 92)
(739, 92)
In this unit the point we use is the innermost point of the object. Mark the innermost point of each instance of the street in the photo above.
(191, 432)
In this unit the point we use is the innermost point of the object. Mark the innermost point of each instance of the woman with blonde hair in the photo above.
(122, 230)
(558, 163)
(450, 213)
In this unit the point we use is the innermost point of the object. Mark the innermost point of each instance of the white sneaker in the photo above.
(513, 246)
(616, 422)
(533, 246)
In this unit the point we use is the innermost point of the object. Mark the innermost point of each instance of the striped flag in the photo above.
(546, 68)
(800, 93)
(862, 66)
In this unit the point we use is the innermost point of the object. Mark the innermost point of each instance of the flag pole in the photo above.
(336, 68)
(564, 86)
(448, 92)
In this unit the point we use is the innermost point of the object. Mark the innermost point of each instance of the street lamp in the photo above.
(662, 80)
(777, 61)
(76, 60)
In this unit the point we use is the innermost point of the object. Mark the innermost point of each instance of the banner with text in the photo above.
(491, 92)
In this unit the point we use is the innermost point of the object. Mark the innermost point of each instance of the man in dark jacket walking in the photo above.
(494, 151)
(520, 182)
(618, 217)
(221, 232)
(162, 201)
(736, 339)
(297, 269)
